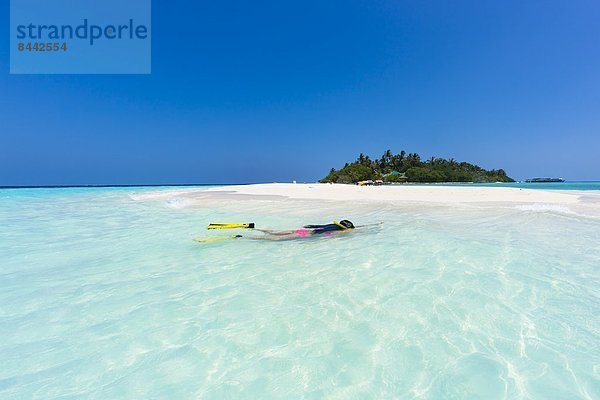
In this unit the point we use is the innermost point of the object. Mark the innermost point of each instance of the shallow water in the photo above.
(104, 295)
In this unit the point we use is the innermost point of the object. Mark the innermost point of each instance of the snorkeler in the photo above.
(344, 226)
(307, 231)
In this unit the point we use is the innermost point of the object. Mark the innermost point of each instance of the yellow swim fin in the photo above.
(249, 225)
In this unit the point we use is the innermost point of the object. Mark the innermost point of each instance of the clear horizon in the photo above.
(272, 92)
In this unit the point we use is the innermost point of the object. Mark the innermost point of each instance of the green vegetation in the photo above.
(409, 168)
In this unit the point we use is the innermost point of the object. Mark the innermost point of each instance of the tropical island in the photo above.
(403, 167)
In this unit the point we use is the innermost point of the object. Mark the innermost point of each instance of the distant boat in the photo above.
(544, 180)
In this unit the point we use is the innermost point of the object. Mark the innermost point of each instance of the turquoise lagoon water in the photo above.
(104, 296)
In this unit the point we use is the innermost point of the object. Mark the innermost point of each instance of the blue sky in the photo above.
(276, 91)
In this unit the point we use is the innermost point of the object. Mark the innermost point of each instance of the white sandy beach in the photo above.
(586, 203)
(407, 193)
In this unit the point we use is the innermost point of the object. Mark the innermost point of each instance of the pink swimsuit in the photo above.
(302, 232)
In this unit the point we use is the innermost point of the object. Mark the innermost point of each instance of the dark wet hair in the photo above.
(347, 224)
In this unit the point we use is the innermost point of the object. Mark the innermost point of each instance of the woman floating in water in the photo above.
(305, 232)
